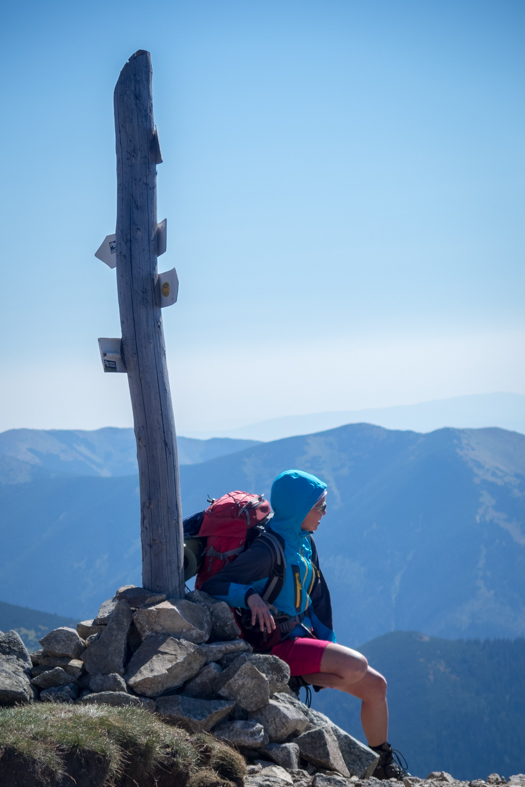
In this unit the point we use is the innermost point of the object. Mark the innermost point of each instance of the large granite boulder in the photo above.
(280, 721)
(14, 654)
(67, 693)
(244, 683)
(52, 678)
(284, 754)
(319, 746)
(276, 671)
(161, 663)
(111, 682)
(107, 654)
(63, 641)
(86, 628)
(191, 713)
(73, 667)
(215, 651)
(104, 612)
(14, 687)
(179, 618)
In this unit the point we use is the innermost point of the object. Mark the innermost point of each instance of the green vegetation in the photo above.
(30, 624)
(116, 743)
(455, 705)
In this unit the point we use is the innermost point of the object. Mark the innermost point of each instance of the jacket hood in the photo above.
(293, 494)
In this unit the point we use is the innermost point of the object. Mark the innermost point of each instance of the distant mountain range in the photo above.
(30, 624)
(455, 705)
(504, 410)
(423, 532)
(34, 454)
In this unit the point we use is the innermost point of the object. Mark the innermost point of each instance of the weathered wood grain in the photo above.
(142, 334)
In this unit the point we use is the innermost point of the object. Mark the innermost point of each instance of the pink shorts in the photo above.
(303, 655)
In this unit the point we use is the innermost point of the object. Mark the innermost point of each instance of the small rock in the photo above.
(163, 663)
(223, 625)
(359, 759)
(111, 682)
(14, 687)
(193, 714)
(325, 780)
(319, 747)
(108, 653)
(270, 770)
(73, 667)
(117, 699)
(276, 671)
(67, 693)
(443, 776)
(139, 597)
(93, 638)
(63, 641)
(244, 683)
(52, 678)
(494, 778)
(199, 597)
(215, 651)
(202, 685)
(242, 733)
(179, 618)
(280, 722)
(106, 608)
(284, 754)
(87, 627)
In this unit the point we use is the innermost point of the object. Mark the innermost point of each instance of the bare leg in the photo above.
(348, 671)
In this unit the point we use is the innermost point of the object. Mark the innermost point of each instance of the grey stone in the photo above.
(244, 683)
(108, 653)
(202, 685)
(273, 776)
(215, 651)
(14, 687)
(280, 721)
(319, 747)
(13, 653)
(87, 627)
(199, 597)
(112, 682)
(105, 610)
(92, 638)
(223, 625)
(73, 667)
(273, 771)
(163, 663)
(67, 693)
(276, 670)
(179, 618)
(301, 778)
(443, 776)
(139, 597)
(284, 754)
(330, 780)
(359, 759)
(193, 714)
(242, 733)
(117, 699)
(63, 641)
(52, 678)
(134, 639)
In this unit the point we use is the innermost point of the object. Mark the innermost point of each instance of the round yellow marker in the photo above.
(165, 289)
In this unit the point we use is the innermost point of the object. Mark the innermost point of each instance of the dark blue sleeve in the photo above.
(245, 575)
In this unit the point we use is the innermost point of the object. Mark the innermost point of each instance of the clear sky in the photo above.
(344, 187)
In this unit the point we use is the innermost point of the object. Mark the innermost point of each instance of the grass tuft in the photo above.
(137, 745)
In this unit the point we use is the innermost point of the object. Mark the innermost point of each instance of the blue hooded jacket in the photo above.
(293, 494)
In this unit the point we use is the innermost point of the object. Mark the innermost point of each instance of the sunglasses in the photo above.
(321, 508)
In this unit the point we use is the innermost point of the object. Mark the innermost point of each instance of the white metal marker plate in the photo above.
(107, 251)
(168, 288)
(111, 355)
(161, 237)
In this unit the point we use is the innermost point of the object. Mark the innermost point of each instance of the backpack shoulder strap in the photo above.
(276, 579)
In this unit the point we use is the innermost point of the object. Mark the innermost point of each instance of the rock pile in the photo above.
(184, 660)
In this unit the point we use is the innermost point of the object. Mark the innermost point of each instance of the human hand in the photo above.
(261, 612)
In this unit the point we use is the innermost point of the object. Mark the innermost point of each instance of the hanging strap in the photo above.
(211, 552)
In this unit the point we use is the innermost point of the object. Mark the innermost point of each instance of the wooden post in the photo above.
(143, 348)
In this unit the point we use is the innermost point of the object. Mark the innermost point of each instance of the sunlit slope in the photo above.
(423, 532)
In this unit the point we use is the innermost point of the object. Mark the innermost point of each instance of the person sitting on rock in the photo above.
(298, 626)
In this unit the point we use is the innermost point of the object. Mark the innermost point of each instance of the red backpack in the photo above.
(225, 529)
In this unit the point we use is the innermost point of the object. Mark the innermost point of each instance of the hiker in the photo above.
(298, 626)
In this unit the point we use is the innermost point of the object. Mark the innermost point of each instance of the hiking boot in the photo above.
(391, 765)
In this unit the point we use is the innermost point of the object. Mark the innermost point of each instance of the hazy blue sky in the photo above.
(344, 187)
